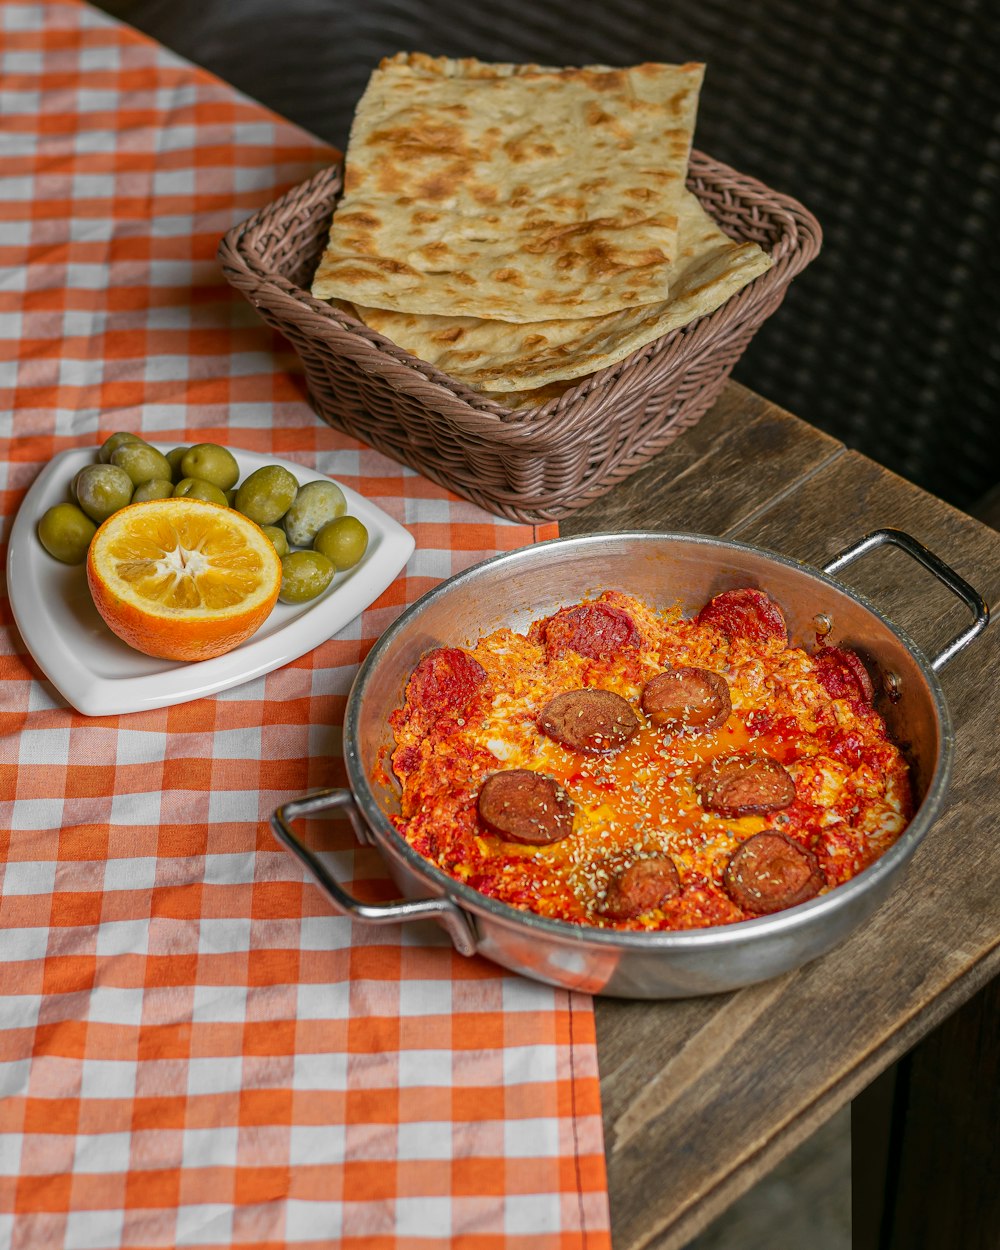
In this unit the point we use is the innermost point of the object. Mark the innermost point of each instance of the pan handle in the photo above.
(447, 913)
(934, 564)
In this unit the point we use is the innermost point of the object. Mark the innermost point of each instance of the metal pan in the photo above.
(662, 569)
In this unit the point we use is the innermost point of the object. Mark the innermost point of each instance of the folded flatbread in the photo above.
(514, 192)
(499, 357)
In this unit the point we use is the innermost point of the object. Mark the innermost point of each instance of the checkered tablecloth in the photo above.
(194, 1050)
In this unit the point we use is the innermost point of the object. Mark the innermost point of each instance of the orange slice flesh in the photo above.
(182, 579)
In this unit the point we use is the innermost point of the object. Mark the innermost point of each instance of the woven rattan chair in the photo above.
(882, 118)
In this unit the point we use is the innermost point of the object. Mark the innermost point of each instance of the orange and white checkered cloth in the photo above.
(194, 1050)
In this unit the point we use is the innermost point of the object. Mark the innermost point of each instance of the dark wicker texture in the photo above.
(533, 464)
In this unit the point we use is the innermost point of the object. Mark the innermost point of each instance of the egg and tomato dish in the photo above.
(625, 768)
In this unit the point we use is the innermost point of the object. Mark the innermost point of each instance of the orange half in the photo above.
(182, 579)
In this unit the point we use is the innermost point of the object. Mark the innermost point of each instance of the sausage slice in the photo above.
(595, 721)
(592, 630)
(744, 784)
(843, 675)
(770, 872)
(745, 613)
(645, 884)
(687, 698)
(521, 806)
(443, 685)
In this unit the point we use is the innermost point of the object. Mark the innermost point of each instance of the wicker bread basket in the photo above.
(530, 464)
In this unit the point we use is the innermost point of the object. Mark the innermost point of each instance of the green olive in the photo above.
(113, 442)
(209, 462)
(194, 488)
(65, 532)
(155, 488)
(102, 489)
(141, 462)
(267, 494)
(174, 459)
(304, 575)
(278, 536)
(314, 505)
(343, 542)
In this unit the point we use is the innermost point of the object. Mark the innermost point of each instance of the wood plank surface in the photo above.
(742, 454)
(760, 1069)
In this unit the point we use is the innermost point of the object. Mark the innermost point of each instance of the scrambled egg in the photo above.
(852, 791)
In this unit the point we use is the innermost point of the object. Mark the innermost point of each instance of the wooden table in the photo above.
(702, 1097)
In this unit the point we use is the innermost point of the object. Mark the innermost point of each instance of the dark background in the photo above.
(883, 119)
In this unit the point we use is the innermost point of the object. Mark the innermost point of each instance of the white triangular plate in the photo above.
(100, 676)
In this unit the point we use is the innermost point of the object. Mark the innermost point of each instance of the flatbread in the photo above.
(500, 357)
(530, 399)
(514, 192)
